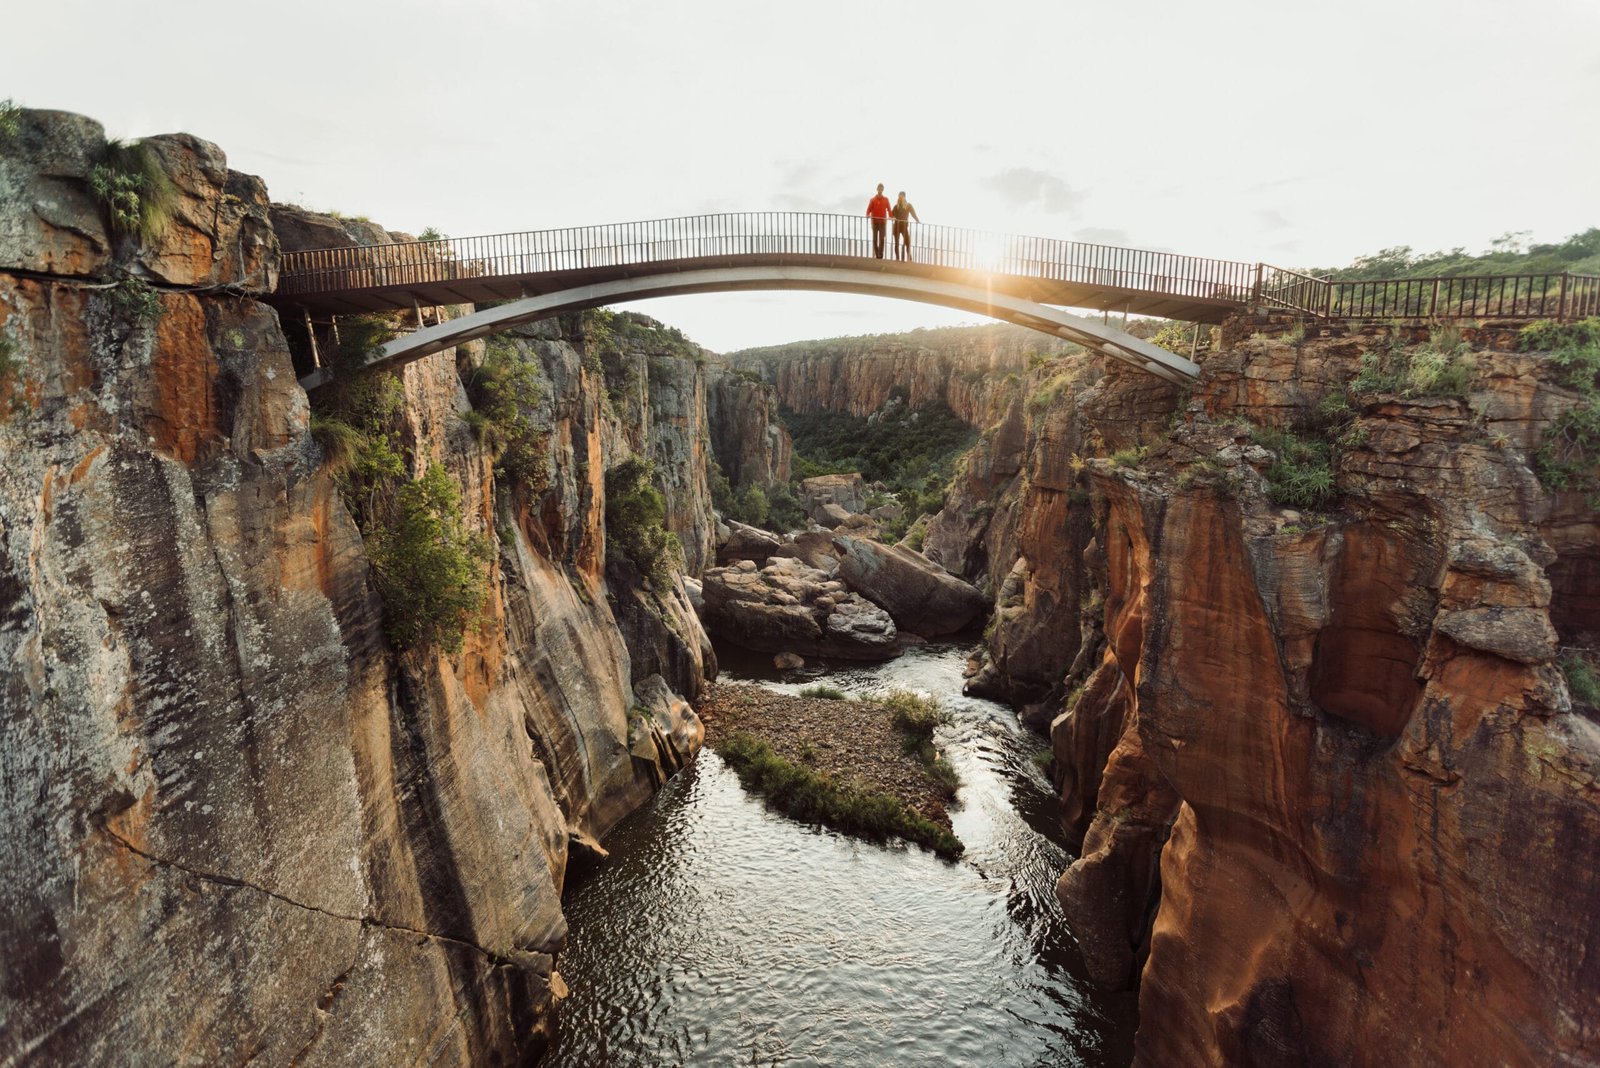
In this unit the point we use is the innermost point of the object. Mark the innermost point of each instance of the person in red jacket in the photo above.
(878, 212)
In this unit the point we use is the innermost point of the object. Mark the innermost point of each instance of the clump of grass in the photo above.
(1582, 680)
(816, 797)
(340, 442)
(830, 693)
(916, 718)
(131, 182)
(1574, 347)
(1301, 475)
(1127, 457)
(10, 119)
(914, 715)
(1441, 368)
(1045, 397)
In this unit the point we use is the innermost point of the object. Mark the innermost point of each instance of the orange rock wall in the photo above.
(1377, 789)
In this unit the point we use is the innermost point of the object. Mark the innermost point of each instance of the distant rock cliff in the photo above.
(237, 824)
(961, 367)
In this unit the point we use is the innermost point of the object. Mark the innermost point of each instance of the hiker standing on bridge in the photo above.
(902, 225)
(878, 212)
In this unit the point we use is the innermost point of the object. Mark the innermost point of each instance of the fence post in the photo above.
(1561, 313)
(1327, 312)
(1433, 301)
(1255, 290)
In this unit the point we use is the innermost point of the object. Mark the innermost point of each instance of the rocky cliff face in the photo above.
(236, 824)
(961, 367)
(749, 443)
(1330, 780)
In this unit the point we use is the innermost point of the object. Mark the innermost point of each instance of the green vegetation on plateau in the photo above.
(1510, 254)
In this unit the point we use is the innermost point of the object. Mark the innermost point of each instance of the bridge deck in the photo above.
(1074, 274)
(511, 266)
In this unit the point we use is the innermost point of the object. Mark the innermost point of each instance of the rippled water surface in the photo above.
(721, 934)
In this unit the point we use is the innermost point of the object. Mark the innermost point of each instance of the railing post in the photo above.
(1255, 290)
(1433, 301)
(1561, 313)
(1327, 312)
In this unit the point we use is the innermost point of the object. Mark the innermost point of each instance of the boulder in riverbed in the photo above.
(744, 542)
(922, 597)
(788, 606)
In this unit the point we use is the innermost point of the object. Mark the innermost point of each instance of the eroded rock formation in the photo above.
(1349, 723)
(788, 606)
(960, 367)
(237, 824)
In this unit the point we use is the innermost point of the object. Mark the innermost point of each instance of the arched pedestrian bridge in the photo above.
(533, 275)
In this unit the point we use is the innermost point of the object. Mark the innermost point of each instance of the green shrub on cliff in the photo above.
(1302, 471)
(10, 119)
(1441, 368)
(1582, 681)
(1573, 347)
(504, 391)
(136, 299)
(428, 566)
(10, 374)
(133, 185)
(1569, 456)
(636, 516)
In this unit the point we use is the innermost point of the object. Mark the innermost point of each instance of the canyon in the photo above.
(1332, 796)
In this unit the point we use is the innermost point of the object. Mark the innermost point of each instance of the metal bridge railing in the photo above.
(1493, 296)
(756, 233)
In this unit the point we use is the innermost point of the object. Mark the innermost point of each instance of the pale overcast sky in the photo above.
(1298, 133)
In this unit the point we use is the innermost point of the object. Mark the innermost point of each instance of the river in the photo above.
(719, 933)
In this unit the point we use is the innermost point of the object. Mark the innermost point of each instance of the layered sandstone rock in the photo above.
(960, 367)
(744, 542)
(1350, 726)
(750, 444)
(217, 233)
(221, 780)
(831, 499)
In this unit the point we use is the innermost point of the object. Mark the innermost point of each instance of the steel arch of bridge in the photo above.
(1098, 337)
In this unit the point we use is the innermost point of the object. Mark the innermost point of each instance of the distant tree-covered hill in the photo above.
(1508, 254)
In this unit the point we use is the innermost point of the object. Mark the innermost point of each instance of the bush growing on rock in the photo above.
(635, 521)
(1569, 456)
(1302, 472)
(1441, 368)
(504, 391)
(428, 566)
